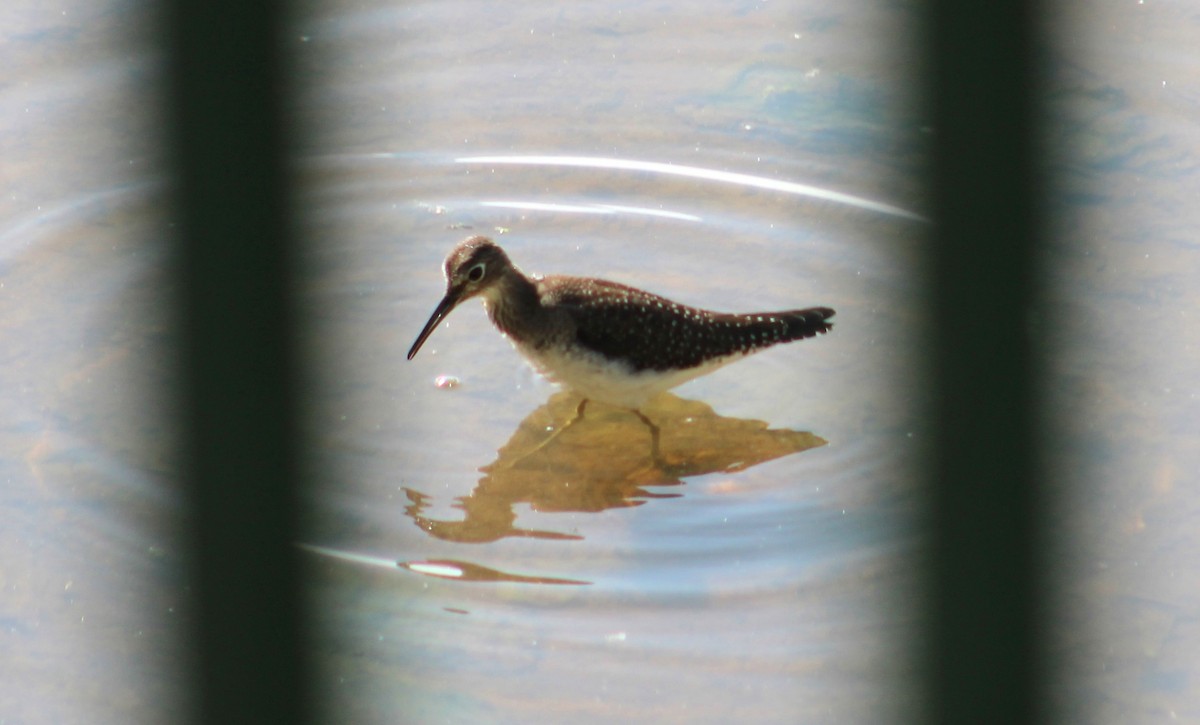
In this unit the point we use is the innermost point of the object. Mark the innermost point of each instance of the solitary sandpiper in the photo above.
(607, 341)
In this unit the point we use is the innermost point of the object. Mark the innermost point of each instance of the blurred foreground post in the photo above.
(984, 629)
(234, 267)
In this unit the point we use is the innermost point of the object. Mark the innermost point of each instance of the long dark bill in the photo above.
(444, 307)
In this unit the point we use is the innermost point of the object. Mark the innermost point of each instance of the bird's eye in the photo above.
(476, 273)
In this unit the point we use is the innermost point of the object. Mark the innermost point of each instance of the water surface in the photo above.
(462, 571)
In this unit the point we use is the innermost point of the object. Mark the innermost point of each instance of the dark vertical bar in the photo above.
(234, 266)
(984, 629)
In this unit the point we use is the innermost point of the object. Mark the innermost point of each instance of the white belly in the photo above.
(598, 378)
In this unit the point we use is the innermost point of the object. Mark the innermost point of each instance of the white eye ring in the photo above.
(476, 273)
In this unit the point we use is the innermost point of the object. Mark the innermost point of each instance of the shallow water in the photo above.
(464, 570)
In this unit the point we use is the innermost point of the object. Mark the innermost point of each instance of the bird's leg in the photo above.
(655, 453)
(578, 417)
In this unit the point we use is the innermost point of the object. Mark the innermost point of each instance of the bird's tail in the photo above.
(805, 323)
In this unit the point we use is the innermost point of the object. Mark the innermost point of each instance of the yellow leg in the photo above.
(655, 453)
(578, 417)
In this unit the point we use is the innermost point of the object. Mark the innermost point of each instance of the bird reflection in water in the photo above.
(593, 465)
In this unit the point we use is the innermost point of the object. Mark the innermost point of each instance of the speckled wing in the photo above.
(650, 332)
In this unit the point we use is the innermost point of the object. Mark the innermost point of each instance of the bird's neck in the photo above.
(513, 306)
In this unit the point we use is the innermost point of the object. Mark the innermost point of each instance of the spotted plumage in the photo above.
(608, 341)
